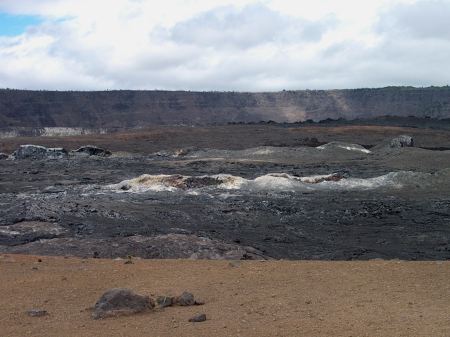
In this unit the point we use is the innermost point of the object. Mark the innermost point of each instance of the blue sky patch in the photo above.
(11, 25)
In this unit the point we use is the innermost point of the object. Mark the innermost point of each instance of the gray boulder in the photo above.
(119, 301)
(390, 145)
(3, 156)
(90, 150)
(402, 141)
(37, 152)
(185, 299)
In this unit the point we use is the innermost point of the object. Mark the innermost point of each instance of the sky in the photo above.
(228, 45)
(12, 25)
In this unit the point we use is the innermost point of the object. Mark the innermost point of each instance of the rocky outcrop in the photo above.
(167, 181)
(184, 300)
(175, 153)
(402, 141)
(169, 246)
(395, 143)
(119, 302)
(90, 150)
(29, 231)
(37, 152)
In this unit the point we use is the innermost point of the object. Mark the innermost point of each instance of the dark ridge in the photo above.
(130, 109)
(440, 148)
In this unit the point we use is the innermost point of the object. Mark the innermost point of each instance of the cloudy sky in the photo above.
(223, 45)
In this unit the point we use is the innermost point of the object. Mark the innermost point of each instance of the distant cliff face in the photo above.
(110, 109)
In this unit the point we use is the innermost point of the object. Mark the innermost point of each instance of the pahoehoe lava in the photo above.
(337, 201)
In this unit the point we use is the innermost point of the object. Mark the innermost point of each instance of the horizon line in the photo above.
(230, 91)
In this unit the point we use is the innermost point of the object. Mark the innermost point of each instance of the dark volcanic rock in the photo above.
(185, 299)
(119, 301)
(402, 141)
(395, 143)
(170, 246)
(391, 204)
(37, 313)
(198, 318)
(24, 232)
(175, 153)
(164, 301)
(37, 152)
(90, 150)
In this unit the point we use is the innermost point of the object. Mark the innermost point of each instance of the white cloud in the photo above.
(227, 45)
(421, 20)
(246, 28)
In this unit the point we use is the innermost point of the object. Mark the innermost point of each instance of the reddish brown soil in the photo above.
(376, 298)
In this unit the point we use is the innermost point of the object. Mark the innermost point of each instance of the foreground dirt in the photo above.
(376, 298)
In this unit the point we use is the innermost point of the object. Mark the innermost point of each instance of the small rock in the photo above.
(3, 156)
(185, 299)
(164, 301)
(198, 318)
(119, 301)
(36, 312)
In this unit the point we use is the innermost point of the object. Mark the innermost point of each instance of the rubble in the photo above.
(120, 302)
(37, 152)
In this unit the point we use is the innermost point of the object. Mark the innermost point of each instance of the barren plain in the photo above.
(328, 231)
(251, 299)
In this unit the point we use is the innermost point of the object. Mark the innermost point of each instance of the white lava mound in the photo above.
(343, 146)
(279, 182)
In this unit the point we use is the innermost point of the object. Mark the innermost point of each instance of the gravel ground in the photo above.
(248, 298)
